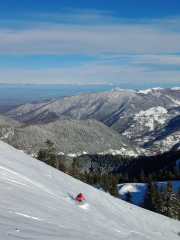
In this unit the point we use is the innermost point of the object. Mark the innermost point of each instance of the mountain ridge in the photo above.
(142, 116)
(68, 136)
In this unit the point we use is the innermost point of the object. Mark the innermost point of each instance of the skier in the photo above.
(80, 197)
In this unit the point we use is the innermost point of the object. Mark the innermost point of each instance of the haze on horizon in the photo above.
(85, 42)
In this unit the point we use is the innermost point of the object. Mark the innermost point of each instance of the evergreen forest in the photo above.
(105, 172)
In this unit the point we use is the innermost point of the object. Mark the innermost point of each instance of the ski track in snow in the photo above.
(27, 216)
(21, 177)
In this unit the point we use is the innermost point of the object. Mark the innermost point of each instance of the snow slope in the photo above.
(36, 202)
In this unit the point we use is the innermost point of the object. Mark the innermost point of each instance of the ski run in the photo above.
(37, 202)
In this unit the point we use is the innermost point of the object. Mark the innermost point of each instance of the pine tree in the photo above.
(121, 179)
(142, 177)
(74, 170)
(61, 163)
(128, 197)
(84, 177)
(95, 178)
(156, 198)
(48, 154)
(150, 178)
(113, 188)
(105, 182)
(135, 180)
(170, 201)
(178, 192)
(162, 194)
(91, 179)
(178, 203)
(126, 178)
(147, 198)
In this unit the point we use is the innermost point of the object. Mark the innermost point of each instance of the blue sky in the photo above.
(117, 41)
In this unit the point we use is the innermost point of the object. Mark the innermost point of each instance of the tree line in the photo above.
(160, 200)
(108, 182)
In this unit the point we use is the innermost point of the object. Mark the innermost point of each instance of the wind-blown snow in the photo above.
(36, 202)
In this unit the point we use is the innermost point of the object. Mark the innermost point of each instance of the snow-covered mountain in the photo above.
(149, 117)
(36, 202)
(68, 135)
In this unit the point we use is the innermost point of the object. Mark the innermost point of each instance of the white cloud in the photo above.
(77, 16)
(126, 49)
(60, 39)
(90, 73)
(156, 59)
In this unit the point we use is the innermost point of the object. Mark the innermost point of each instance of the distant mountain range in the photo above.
(150, 118)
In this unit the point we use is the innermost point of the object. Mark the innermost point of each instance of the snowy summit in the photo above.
(37, 202)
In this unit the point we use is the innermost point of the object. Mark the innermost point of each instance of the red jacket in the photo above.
(80, 197)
